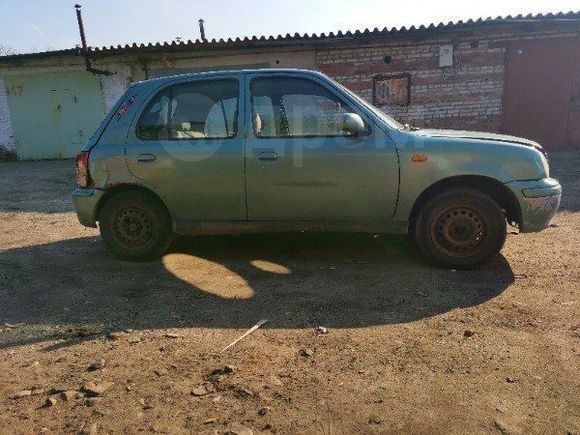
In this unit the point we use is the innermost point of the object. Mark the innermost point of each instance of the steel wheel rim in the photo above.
(133, 227)
(459, 231)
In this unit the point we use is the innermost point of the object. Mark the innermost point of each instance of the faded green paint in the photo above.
(53, 114)
(228, 190)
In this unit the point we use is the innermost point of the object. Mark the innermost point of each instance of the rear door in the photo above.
(186, 146)
(301, 165)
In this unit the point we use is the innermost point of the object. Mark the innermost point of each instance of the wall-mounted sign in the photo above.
(392, 90)
(446, 55)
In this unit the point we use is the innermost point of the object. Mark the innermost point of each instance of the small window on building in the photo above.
(392, 90)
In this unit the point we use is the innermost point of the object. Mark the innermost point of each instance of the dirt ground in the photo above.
(408, 347)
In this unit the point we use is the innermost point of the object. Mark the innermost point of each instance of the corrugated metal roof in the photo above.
(297, 38)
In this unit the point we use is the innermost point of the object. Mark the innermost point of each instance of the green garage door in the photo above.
(53, 114)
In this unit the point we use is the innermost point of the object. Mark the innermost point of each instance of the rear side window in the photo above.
(190, 111)
(296, 107)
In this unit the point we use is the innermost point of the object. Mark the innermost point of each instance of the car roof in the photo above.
(222, 73)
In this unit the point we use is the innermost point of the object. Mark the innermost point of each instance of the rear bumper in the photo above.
(86, 202)
(539, 201)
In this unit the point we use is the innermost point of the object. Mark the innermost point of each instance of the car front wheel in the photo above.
(135, 227)
(461, 228)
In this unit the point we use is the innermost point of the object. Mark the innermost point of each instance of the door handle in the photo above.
(267, 156)
(145, 157)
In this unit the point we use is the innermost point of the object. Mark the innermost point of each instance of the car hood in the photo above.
(478, 135)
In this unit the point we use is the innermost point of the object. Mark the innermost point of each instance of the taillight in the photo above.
(82, 169)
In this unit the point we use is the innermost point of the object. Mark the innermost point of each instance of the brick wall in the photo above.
(466, 96)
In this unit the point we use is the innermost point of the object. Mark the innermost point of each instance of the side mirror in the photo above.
(353, 124)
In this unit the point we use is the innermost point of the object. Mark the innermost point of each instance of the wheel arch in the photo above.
(121, 188)
(498, 191)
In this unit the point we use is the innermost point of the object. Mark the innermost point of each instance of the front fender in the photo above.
(453, 157)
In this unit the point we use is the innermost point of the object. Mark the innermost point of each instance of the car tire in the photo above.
(135, 226)
(460, 228)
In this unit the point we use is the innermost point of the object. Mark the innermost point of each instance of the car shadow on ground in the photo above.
(74, 290)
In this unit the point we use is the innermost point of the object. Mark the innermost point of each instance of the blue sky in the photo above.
(38, 25)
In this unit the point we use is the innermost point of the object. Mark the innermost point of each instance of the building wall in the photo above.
(7, 142)
(53, 113)
(467, 95)
(265, 59)
(115, 85)
(131, 68)
(8, 138)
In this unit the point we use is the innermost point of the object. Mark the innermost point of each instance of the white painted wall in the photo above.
(115, 85)
(7, 141)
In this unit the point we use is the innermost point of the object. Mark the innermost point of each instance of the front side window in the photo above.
(195, 110)
(291, 107)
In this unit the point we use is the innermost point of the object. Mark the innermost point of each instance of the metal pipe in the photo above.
(84, 49)
(83, 38)
(202, 30)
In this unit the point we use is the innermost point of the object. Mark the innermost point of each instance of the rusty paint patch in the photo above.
(15, 91)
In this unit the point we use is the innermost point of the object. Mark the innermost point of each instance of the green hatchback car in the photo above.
(292, 150)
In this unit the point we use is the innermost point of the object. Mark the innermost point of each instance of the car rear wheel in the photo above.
(135, 227)
(460, 228)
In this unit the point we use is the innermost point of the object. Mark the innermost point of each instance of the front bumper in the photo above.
(86, 205)
(539, 201)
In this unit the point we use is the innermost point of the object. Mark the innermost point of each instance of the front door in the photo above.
(302, 166)
(186, 146)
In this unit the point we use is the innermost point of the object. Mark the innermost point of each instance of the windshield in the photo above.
(391, 122)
